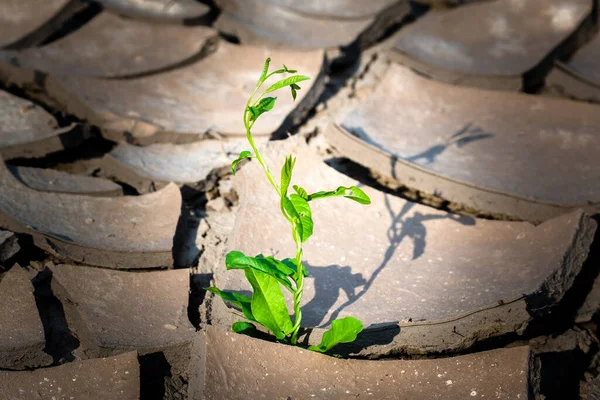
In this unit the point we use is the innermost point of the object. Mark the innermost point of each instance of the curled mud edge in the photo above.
(495, 202)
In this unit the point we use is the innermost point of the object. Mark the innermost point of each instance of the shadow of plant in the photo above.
(330, 280)
(469, 133)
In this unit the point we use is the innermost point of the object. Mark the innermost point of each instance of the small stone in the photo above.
(225, 186)
(218, 205)
(9, 246)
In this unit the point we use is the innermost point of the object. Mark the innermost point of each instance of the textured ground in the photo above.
(474, 126)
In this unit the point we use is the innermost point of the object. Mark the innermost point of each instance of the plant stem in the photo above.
(251, 141)
(299, 289)
(299, 278)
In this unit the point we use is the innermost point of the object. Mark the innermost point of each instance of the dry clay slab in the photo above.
(29, 22)
(493, 45)
(22, 339)
(208, 95)
(447, 3)
(580, 76)
(49, 180)
(167, 10)
(343, 9)
(310, 24)
(111, 46)
(120, 232)
(150, 166)
(27, 130)
(420, 279)
(233, 366)
(507, 153)
(111, 378)
(112, 311)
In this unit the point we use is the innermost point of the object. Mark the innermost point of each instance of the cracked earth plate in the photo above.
(26, 23)
(208, 95)
(145, 167)
(168, 10)
(111, 46)
(116, 377)
(580, 76)
(22, 340)
(491, 151)
(343, 9)
(49, 180)
(114, 310)
(234, 366)
(316, 24)
(27, 130)
(119, 232)
(503, 45)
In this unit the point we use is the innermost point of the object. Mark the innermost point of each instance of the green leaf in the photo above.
(243, 155)
(301, 192)
(286, 174)
(342, 330)
(286, 82)
(294, 88)
(237, 299)
(267, 265)
(267, 103)
(285, 70)
(291, 71)
(301, 214)
(263, 106)
(291, 263)
(352, 193)
(265, 70)
(305, 213)
(279, 265)
(242, 327)
(268, 303)
(254, 113)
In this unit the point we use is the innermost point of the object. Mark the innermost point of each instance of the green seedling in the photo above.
(266, 274)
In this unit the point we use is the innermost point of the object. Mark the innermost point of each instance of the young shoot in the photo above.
(266, 274)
